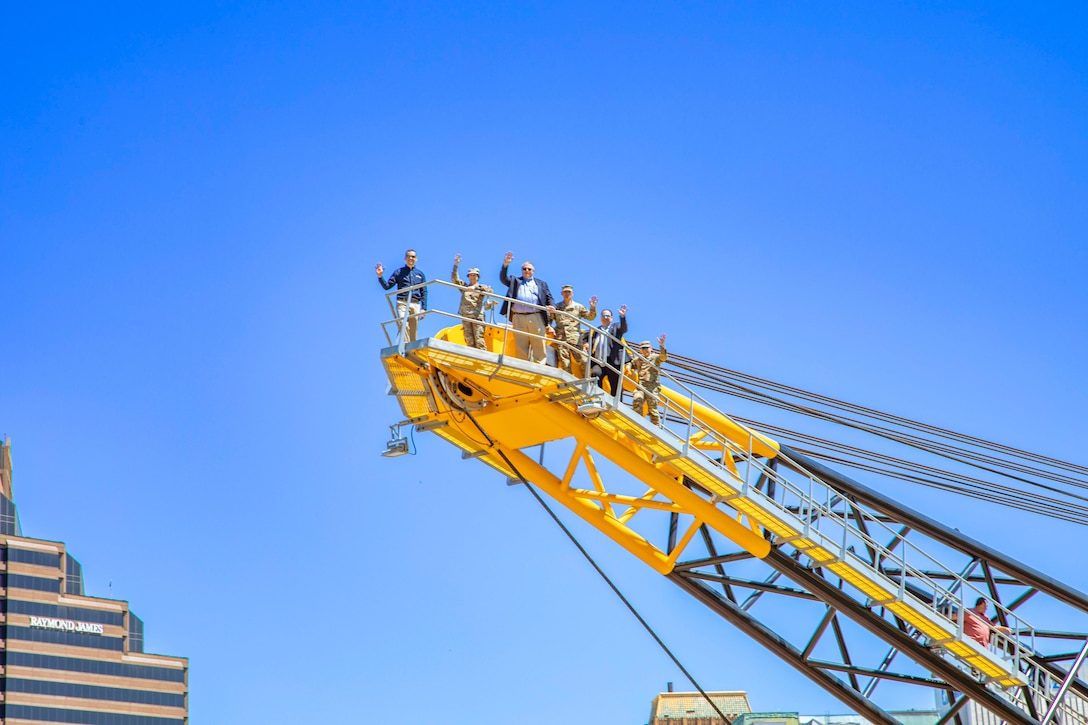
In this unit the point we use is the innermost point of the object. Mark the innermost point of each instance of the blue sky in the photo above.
(880, 203)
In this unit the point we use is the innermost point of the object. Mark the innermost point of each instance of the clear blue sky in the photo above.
(881, 203)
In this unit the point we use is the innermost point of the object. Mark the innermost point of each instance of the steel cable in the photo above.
(696, 365)
(931, 446)
(1011, 463)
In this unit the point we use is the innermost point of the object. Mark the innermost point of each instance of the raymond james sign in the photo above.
(65, 625)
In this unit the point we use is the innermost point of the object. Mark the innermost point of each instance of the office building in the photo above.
(66, 657)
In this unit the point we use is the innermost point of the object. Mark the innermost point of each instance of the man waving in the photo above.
(529, 322)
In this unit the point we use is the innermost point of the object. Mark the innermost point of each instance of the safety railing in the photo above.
(395, 328)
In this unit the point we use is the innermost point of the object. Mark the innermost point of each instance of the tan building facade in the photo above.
(691, 708)
(69, 658)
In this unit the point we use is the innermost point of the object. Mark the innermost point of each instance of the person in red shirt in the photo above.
(978, 626)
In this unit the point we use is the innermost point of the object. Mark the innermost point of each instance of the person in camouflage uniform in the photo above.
(645, 368)
(567, 328)
(473, 303)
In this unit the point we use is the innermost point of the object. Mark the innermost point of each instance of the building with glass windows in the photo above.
(66, 657)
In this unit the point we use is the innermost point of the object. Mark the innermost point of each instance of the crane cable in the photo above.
(1023, 501)
(937, 478)
(960, 455)
(599, 570)
(724, 386)
(697, 365)
(695, 373)
(1016, 498)
(700, 374)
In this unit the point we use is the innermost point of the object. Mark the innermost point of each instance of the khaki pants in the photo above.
(650, 400)
(474, 333)
(526, 347)
(566, 354)
(414, 310)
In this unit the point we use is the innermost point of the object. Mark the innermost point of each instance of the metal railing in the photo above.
(394, 328)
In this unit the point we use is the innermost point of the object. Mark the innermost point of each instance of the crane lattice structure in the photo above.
(734, 518)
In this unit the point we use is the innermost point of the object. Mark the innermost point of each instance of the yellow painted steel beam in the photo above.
(633, 503)
(596, 509)
(573, 465)
(593, 514)
(586, 432)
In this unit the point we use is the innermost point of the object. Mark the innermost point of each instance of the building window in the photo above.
(96, 667)
(73, 576)
(135, 633)
(9, 518)
(41, 609)
(37, 558)
(84, 717)
(95, 692)
(37, 583)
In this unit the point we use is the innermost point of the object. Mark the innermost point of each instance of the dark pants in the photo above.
(600, 373)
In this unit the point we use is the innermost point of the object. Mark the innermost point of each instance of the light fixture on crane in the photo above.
(397, 445)
(593, 407)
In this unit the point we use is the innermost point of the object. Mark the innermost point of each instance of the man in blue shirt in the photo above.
(416, 300)
(529, 322)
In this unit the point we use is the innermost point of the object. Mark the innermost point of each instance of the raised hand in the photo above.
(593, 301)
(661, 340)
(379, 269)
(623, 310)
(508, 259)
(457, 259)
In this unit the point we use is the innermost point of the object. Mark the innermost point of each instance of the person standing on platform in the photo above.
(415, 301)
(606, 353)
(529, 323)
(567, 327)
(646, 369)
(474, 301)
